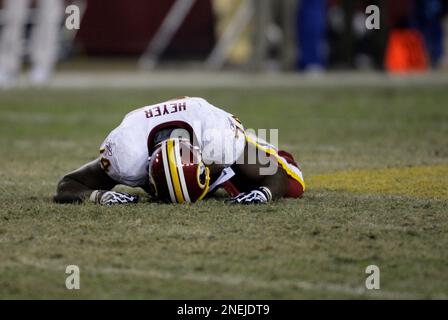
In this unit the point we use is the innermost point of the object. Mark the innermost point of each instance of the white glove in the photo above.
(259, 195)
(109, 198)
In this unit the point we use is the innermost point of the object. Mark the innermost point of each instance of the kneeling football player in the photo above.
(181, 151)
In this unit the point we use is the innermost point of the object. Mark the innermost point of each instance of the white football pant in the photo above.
(43, 47)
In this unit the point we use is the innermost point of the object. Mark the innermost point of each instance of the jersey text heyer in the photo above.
(161, 110)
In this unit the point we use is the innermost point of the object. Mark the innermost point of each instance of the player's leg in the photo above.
(295, 186)
(295, 189)
(11, 46)
(45, 40)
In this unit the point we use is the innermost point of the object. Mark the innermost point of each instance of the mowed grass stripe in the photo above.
(227, 279)
(420, 181)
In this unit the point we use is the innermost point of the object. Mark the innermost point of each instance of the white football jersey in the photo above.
(126, 150)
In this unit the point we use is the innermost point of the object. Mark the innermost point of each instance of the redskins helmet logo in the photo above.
(202, 175)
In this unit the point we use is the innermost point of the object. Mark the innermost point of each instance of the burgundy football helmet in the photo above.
(177, 172)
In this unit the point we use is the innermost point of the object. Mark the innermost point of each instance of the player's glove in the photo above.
(109, 198)
(259, 195)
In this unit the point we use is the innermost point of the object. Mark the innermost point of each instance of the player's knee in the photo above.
(295, 189)
(62, 183)
(57, 197)
(60, 195)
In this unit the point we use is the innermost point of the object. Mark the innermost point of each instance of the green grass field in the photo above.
(376, 166)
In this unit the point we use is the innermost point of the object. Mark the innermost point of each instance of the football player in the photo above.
(180, 151)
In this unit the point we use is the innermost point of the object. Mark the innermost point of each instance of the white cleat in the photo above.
(39, 76)
(7, 79)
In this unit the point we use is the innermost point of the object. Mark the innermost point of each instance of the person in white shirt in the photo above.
(43, 46)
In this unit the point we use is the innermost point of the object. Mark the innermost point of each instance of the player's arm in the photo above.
(267, 180)
(90, 182)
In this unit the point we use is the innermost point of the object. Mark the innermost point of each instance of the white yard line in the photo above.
(233, 79)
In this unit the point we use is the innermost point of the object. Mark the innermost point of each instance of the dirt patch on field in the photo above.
(421, 181)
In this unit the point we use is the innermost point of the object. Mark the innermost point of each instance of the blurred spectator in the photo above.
(225, 11)
(444, 60)
(428, 19)
(350, 43)
(311, 25)
(43, 47)
(274, 39)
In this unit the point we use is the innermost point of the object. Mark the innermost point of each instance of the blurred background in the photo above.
(309, 36)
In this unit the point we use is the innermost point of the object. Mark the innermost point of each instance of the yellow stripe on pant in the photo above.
(283, 163)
